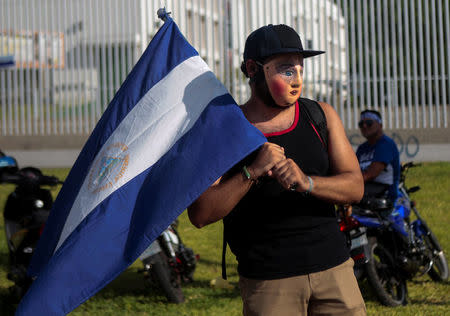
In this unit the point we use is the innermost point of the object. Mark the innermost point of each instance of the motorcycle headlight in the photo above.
(38, 204)
(28, 250)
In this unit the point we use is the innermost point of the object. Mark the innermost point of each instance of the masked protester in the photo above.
(378, 158)
(277, 205)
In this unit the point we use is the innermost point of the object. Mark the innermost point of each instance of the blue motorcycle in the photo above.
(389, 248)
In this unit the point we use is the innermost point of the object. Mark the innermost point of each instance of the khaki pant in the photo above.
(331, 292)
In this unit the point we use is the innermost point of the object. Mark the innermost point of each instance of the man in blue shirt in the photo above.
(378, 157)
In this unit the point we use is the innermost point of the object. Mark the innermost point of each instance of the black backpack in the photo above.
(316, 117)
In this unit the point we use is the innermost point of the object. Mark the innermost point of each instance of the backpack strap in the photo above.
(316, 118)
(224, 251)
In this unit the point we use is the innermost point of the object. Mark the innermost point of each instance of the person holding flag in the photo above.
(277, 205)
(169, 132)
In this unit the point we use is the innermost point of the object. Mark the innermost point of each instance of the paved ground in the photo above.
(62, 151)
(66, 157)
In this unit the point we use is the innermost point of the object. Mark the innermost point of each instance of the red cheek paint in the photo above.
(278, 87)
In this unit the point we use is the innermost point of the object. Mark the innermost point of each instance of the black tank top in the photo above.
(275, 233)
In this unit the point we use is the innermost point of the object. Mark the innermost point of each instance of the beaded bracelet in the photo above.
(246, 173)
(311, 185)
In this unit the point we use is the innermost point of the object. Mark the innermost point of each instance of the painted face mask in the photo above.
(287, 72)
(284, 78)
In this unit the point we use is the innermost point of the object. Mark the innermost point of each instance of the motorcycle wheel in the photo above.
(20, 287)
(167, 279)
(439, 269)
(16, 293)
(389, 287)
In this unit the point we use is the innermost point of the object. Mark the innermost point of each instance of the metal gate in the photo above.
(71, 56)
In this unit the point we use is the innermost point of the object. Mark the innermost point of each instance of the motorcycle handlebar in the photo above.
(41, 180)
(49, 180)
(10, 178)
(410, 164)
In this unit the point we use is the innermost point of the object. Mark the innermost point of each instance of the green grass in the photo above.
(129, 294)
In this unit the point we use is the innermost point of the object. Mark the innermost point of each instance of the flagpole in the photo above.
(163, 14)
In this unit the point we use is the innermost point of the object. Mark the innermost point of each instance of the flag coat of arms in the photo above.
(170, 131)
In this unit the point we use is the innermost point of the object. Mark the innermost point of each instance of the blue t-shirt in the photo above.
(385, 151)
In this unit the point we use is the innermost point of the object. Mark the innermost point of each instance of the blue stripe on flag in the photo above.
(116, 232)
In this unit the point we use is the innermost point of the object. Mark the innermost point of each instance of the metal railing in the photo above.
(71, 56)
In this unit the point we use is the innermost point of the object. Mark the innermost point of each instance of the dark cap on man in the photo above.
(275, 39)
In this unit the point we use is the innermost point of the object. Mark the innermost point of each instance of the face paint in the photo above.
(284, 77)
(278, 87)
(287, 72)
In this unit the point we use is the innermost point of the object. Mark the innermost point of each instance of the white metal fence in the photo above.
(72, 55)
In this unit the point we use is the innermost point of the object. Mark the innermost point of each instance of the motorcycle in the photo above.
(388, 247)
(25, 213)
(168, 263)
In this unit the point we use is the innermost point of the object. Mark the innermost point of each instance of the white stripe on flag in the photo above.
(192, 86)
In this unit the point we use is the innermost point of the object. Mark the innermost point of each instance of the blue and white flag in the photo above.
(171, 130)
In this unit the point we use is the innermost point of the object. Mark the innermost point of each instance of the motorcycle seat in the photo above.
(376, 204)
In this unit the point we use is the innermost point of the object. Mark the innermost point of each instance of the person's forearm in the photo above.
(345, 188)
(218, 201)
(373, 171)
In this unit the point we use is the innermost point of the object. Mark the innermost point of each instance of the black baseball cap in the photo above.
(275, 39)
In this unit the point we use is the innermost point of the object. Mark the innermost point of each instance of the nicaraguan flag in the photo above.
(171, 130)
